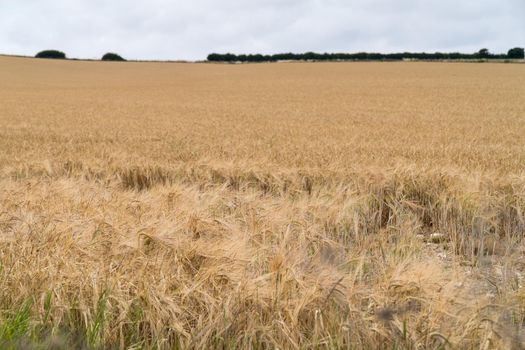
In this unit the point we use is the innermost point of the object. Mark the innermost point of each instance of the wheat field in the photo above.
(289, 205)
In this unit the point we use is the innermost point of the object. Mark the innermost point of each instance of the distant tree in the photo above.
(110, 56)
(516, 53)
(483, 53)
(51, 54)
(214, 57)
(229, 57)
(309, 56)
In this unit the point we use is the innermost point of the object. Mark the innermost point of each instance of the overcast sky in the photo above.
(163, 29)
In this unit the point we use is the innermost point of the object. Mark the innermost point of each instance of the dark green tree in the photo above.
(483, 53)
(516, 53)
(110, 56)
(51, 54)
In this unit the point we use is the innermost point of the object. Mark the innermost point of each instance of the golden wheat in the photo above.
(293, 205)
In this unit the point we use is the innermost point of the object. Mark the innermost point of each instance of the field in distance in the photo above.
(289, 205)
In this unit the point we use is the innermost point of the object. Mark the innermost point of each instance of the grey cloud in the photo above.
(163, 29)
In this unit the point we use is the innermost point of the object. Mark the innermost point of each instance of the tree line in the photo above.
(55, 54)
(483, 54)
(514, 53)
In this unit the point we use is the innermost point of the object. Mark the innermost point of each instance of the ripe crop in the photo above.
(289, 205)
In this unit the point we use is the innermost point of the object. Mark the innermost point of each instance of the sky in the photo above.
(190, 30)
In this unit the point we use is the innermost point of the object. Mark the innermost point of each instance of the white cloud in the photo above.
(162, 29)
